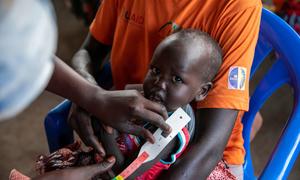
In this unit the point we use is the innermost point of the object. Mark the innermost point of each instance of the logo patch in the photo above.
(169, 28)
(237, 78)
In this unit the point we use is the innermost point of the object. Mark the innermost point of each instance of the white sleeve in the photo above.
(28, 36)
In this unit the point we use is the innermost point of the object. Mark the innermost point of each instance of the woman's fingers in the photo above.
(153, 118)
(138, 130)
(157, 108)
(93, 170)
(87, 135)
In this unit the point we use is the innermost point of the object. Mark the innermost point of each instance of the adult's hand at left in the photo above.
(119, 109)
(80, 173)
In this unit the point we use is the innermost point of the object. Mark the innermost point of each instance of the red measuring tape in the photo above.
(133, 166)
(177, 121)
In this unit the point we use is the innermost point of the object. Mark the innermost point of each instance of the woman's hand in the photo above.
(119, 109)
(80, 173)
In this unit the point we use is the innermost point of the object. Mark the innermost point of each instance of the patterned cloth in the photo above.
(221, 172)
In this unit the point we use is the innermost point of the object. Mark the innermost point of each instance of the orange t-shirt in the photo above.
(135, 27)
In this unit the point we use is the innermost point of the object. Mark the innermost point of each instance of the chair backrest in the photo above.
(277, 35)
(58, 132)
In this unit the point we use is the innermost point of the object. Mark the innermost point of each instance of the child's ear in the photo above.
(203, 91)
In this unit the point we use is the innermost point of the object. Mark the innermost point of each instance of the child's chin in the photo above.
(171, 109)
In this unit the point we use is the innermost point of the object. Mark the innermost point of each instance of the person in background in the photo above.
(289, 10)
(84, 9)
(132, 29)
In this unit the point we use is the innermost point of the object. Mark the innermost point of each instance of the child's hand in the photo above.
(108, 129)
(82, 173)
(80, 121)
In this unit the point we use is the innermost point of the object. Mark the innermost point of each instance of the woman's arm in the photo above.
(87, 62)
(89, 59)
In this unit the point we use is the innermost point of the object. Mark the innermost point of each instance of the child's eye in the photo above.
(155, 71)
(177, 79)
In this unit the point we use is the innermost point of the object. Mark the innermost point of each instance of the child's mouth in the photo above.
(156, 98)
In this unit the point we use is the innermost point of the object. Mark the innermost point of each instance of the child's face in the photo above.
(173, 79)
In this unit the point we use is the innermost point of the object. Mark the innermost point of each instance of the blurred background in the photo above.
(23, 138)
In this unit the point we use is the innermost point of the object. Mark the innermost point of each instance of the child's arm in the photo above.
(110, 145)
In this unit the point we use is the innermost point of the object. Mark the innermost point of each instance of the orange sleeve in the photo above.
(103, 26)
(237, 33)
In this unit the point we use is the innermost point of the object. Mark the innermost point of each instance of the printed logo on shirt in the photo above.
(237, 78)
(168, 29)
(133, 17)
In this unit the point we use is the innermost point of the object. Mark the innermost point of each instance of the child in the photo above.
(181, 71)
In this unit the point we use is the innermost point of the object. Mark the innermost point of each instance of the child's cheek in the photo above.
(177, 97)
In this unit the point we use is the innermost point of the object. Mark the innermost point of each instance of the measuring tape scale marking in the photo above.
(133, 166)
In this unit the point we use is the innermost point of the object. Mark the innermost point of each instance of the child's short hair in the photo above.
(196, 37)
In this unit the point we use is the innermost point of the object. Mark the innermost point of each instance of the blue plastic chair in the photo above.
(277, 35)
(58, 132)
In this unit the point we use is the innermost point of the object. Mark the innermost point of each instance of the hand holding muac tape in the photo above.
(178, 120)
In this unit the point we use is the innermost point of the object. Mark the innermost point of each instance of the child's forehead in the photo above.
(184, 47)
(182, 55)
(182, 67)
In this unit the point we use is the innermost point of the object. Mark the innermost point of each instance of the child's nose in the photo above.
(161, 83)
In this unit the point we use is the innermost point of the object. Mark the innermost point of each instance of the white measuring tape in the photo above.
(178, 120)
